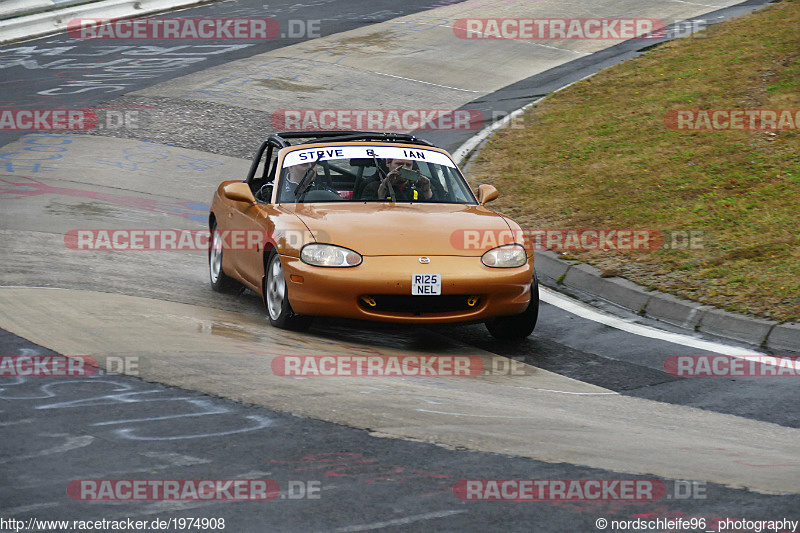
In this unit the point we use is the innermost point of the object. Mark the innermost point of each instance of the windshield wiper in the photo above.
(306, 182)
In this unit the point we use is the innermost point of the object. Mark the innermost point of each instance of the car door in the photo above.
(251, 228)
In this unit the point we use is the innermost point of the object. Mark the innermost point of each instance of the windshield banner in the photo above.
(309, 155)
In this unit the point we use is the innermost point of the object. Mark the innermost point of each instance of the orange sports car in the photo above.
(374, 226)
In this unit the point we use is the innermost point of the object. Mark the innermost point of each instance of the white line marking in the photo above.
(397, 522)
(428, 83)
(70, 443)
(31, 287)
(568, 392)
(462, 151)
(590, 313)
(28, 508)
(478, 138)
(696, 4)
(521, 41)
(475, 416)
(23, 421)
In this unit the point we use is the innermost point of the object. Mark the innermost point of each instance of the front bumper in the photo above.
(386, 280)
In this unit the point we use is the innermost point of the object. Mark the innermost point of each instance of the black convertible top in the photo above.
(314, 137)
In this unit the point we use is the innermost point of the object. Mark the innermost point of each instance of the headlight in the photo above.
(508, 256)
(328, 255)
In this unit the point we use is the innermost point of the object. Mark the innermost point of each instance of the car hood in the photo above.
(373, 229)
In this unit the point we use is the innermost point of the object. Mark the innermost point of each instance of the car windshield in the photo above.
(371, 174)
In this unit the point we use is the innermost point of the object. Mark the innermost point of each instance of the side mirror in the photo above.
(239, 192)
(487, 193)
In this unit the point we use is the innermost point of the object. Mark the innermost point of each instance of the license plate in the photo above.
(426, 284)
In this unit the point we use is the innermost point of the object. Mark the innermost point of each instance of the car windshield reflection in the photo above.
(357, 174)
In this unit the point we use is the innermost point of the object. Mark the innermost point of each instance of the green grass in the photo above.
(599, 155)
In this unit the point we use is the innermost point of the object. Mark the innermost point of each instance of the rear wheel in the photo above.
(519, 326)
(220, 281)
(276, 298)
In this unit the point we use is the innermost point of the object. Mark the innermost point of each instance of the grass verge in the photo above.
(599, 154)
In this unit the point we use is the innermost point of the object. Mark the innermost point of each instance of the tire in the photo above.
(517, 327)
(220, 281)
(276, 298)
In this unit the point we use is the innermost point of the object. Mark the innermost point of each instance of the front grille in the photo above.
(419, 305)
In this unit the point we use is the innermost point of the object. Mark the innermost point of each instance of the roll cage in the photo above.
(282, 140)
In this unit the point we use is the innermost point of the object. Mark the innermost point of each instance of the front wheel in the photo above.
(519, 326)
(276, 298)
(220, 281)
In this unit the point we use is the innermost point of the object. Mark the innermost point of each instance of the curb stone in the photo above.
(739, 327)
(12, 9)
(766, 334)
(549, 268)
(785, 336)
(676, 311)
(620, 291)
